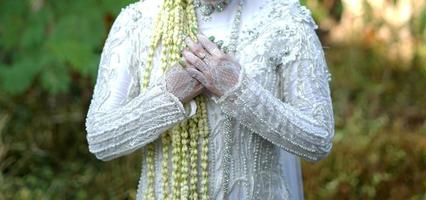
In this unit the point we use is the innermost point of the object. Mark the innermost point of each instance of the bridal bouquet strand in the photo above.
(176, 19)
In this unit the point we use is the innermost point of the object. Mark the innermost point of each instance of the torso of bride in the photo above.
(257, 50)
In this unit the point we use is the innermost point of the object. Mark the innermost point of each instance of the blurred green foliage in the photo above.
(43, 42)
(49, 51)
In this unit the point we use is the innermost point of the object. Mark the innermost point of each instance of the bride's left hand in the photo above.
(216, 70)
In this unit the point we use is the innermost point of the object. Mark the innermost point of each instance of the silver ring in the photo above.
(204, 59)
(203, 56)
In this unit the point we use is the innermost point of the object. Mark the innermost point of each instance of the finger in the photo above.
(196, 48)
(182, 62)
(211, 61)
(185, 63)
(198, 88)
(197, 75)
(195, 92)
(194, 60)
(191, 66)
(211, 47)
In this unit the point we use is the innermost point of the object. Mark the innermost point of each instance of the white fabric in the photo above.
(280, 109)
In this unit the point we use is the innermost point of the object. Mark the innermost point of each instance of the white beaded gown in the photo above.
(280, 109)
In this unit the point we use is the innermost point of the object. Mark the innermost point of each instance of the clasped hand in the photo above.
(217, 71)
(205, 66)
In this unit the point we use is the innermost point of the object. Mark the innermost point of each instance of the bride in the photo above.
(223, 97)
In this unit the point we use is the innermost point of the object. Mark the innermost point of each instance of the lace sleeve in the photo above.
(115, 128)
(301, 122)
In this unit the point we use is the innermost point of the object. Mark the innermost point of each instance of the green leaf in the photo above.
(17, 78)
(423, 20)
(13, 21)
(34, 32)
(78, 54)
(55, 78)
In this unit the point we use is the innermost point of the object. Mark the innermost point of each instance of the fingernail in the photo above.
(181, 62)
(194, 29)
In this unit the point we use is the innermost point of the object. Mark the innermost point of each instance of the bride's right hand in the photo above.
(181, 84)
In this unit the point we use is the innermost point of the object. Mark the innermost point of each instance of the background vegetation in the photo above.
(49, 51)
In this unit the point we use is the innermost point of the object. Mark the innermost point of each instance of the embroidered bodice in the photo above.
(280, 109)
